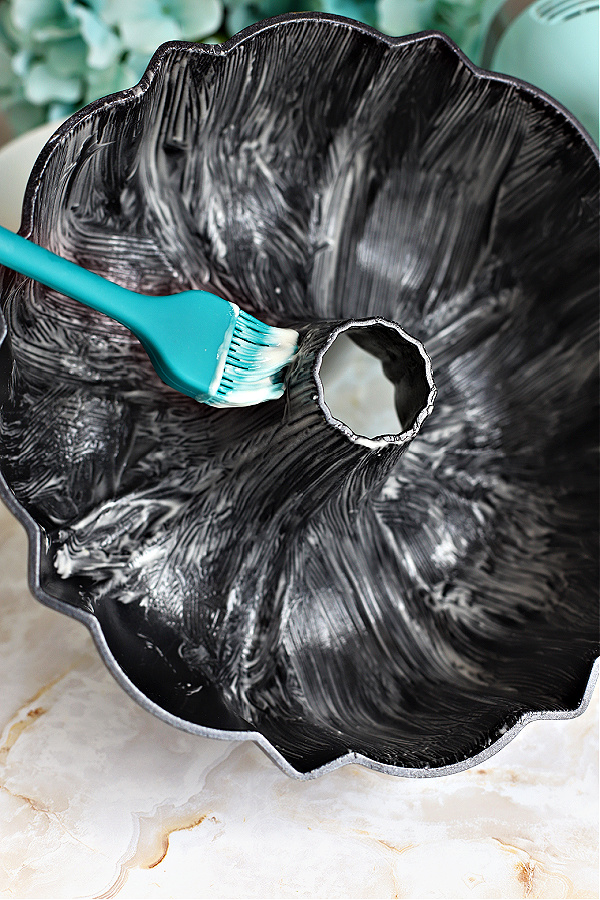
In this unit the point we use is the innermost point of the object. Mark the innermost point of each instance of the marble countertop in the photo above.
(100, 799)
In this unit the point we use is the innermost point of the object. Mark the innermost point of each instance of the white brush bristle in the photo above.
(256, 361)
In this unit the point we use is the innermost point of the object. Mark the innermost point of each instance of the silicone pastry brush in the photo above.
(199, 343)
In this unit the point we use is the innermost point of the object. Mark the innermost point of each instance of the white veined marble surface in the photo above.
(100, 799)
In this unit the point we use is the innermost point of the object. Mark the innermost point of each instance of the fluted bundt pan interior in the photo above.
(405, 600)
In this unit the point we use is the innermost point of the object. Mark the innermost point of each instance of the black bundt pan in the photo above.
(265, 573)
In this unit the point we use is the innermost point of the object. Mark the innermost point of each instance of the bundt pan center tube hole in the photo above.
(390, 376)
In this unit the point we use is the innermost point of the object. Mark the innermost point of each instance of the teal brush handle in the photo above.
(68, 278)
(182, 333)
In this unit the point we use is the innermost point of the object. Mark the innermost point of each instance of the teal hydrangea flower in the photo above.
(57, 55)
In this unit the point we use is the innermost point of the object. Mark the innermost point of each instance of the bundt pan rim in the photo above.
(35, 531)
(252, 30)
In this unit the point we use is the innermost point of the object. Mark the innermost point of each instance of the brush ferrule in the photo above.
(256, 362)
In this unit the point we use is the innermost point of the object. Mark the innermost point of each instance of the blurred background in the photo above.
(58, 55)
